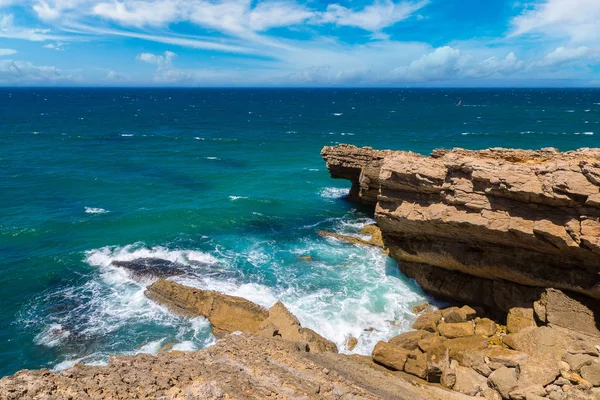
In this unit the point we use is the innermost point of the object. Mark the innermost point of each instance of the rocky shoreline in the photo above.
(511, 237)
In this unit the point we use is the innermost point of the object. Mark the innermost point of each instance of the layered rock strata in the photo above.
(492, 227)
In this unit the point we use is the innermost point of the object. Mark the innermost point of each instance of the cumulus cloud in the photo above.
(577, 20)
(58, 46)
(161, 61)
(494, 66)
(564, 55)
(441, 63)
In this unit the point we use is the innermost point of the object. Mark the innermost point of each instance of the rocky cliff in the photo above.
(492, 227)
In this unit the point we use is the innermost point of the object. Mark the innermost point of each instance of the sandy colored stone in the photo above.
(462, 314)
(516, 323)
(226, 313)
(468, 381)
(591, 373)
(485, 327)
(503, 380)
(506, 357)
(417, 366)
(430, 342)
(538, 370)
(410, 340)
(428, 321)
(240, 367)
(390, 356)
(351, 343)
(456, 330)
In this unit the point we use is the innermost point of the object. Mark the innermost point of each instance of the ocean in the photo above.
(230, 184)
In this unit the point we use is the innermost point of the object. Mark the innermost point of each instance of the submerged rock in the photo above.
(144, 268)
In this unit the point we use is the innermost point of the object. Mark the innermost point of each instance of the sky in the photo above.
(354, 43)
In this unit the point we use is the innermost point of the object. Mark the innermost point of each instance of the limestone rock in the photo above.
(491, 394)
(469, 224)
(474, 359)
(591, 373)
(390, 356)
(226, 313)
(576, 361)
(348, 239)
(438, 361)
(570, 311)
(462, 314)
(430, 342)
(524, 393)
(456, 330)
(485, 327)
(417, 366)
(419, 308)
(538, 370)
(428, 321)
(241, 367)
(468, 381)
(506, 357)
(504, 380)
(410, 340)
(351, 343)
(516, 323)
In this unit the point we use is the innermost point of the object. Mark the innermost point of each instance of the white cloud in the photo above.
(577, 20)
(7, 52)
(6, 3)
(373, 18)
(494, 66)
(139, 13)
(277, 14)
(9, 30)
(441, 63)
(564, 55)
(22, 72)
(161, 61)
(58, 46)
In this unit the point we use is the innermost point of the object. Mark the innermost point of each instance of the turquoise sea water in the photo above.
(229, 183)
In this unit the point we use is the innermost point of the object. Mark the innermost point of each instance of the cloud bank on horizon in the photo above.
(300, 42)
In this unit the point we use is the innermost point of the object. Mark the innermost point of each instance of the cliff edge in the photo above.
(492, 227)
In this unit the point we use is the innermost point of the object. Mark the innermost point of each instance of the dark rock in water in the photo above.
(150, 268)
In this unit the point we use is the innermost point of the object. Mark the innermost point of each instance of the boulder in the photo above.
(462, 314)
(417, 366)
(419, 308)
(538, 370)
(485, 327)
(490, 394)
(282, 323)
(468, 381)
(149, 268)
(456, 330)
(591, 373)
(428, 321)
(430, 342)
(516, 323)
(474, 359)
(576, 361)
(410, 340)
(390, 356)
(349, 239)
(524, 393)
(448, 377)
(438, 361)
(503, 380)
(226, 313)
(570, 311)
(351, 343)
(505, 357)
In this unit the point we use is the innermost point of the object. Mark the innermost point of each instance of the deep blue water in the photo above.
(229, 183)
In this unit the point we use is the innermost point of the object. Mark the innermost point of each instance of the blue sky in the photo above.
(300, 43)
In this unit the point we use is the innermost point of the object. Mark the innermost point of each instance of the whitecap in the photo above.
(127, 134)
(338, 114)
(234, 198)
(94, 210)
(334, 192)
(212, 158)
(199, 138)
(588, 133)
(52, 336)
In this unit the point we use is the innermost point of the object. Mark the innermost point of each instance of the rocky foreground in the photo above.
(514, 234)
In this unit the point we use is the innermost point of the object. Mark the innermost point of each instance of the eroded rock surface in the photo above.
(486, 227)
(238, 367)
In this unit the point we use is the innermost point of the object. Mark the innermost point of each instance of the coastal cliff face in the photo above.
(493, 227)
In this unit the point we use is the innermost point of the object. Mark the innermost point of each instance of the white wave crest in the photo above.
(94, 210)
(334, 193)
